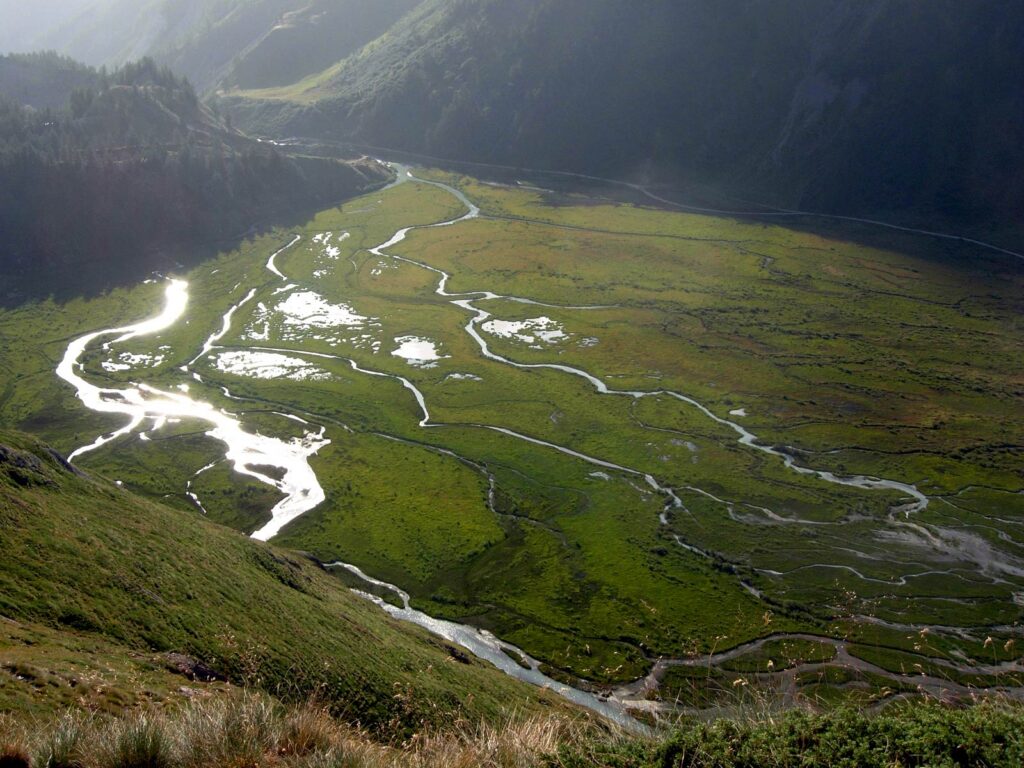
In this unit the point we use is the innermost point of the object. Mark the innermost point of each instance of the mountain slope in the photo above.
(277, 43)
(244, 42)
(836, 105)
(85, 558)
(134, 175)
(847, 106)
(25, 24)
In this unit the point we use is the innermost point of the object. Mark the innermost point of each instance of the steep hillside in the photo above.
(135, 175)
(847, 106)
(112, 32)
(106, 31)
(25, 24)
(836, 105)
(93, 572)
(248, 42)
(324, 31)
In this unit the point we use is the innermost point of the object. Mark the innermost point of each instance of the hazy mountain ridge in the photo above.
(25, 25)
(43, 80)
(216, 41)
(107, 32)
(278, 43)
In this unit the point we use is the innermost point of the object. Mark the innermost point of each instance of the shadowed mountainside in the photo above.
(135, 174)
(842, 106)
(879, 107)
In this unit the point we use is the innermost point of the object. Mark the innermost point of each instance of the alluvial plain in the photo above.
(899, 363)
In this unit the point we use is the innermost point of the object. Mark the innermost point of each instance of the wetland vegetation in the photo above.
(601, 532)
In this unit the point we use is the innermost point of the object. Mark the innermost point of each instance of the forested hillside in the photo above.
(43, 80)
(135, 174)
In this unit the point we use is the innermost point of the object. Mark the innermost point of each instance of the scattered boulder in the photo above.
(66, 465)
(457, 655)
(193, 669)
(22, 467)
(20, 459)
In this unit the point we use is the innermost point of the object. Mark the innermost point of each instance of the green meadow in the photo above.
(899, 362)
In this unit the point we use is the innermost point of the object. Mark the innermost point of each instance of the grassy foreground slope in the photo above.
(131, 579)
(253, 731)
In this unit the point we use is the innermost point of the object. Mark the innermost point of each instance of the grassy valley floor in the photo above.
(847, 359)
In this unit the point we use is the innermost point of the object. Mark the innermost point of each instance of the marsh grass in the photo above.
(807, 333)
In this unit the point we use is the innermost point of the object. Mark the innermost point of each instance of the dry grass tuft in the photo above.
(307, 730)
(139, 741)
(253, 731)
(512, 745)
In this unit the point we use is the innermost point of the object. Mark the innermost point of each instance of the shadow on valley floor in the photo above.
(925, 234)
(128, 262)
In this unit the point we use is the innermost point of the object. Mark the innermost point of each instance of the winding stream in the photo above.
(246, 452)
(746, 437)
(486, 646)
(301, 490)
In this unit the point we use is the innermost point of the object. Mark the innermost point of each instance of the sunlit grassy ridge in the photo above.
(45, 669)
(866, 360)
(129, 581)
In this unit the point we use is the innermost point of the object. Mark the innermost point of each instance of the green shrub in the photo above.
(909, 735)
